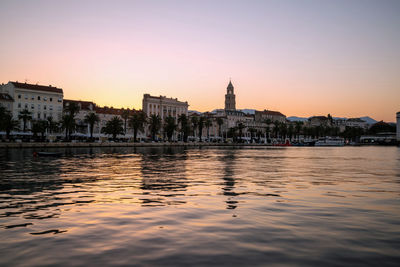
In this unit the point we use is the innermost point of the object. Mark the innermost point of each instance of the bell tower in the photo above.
(230, 102)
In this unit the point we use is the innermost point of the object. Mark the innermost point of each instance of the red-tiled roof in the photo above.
(112, 111)
(6, 97)
(85, 105)
(271, 112)
(37, 87)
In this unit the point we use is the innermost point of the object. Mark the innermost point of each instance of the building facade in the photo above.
(42, 101)
(356, 122)
(230, 98)
(163, 106)
(262, 116)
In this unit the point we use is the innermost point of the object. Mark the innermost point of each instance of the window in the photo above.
(38, 115)
(26, 105)
(19, 105)
(59, 108)
(59, 100)
(44, 115)
(38, 98)
(44, 107)
(33, 97)
(51, 99)
(26, 96)
(50, 107)
(38, 106)
(32, 106)
(45, 98)
(19, 96)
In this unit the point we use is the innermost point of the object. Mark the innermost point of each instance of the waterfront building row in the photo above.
(47, 101)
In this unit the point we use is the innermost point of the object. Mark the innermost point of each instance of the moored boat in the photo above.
(47, 154)
(330, 141)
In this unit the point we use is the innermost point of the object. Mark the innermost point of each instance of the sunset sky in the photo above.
(302, 58)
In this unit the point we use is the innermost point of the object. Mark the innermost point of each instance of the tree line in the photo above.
(184, 126)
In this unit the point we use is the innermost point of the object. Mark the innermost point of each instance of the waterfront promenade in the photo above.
(122, 144)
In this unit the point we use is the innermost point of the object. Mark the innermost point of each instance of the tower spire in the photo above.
(230, 102)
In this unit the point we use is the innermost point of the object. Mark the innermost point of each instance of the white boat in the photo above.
(330, 141)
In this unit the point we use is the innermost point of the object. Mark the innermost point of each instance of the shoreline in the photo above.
(111, 144)
(157, 144)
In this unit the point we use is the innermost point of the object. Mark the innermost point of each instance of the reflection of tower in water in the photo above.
(229, 180)
(163, 176)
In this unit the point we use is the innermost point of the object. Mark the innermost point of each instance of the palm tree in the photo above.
(185, 127)
(114, 127)
(283, 130)
(25, 115)
(220, 122)
(154, 125)
(169, 127)
(200, 126)
(91, 119)
(240, 127)
(232, 133)
(208, 124)
(252, 131)
(68, 119)
(51, 125)
(9, 124)
(259, 134)
(290, 131)
(72, 109)
(68, 123)
(39, 126)
(125, 116)
(3, 112)
(136, 122)
(195, 123)
(297, 128)
(276, 128)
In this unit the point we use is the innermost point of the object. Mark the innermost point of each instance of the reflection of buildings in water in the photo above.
(38, 188)
(163, 175)
(229, 181)
(27, 185)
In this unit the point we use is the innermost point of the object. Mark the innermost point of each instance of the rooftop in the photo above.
(271, 112)
(85, 105)
(37, 87)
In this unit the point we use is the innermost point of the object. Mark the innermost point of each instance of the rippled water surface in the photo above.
(209, 206)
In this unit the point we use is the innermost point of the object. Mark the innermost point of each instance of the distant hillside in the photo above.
(368, 120)
(294, 118)
(248, 111)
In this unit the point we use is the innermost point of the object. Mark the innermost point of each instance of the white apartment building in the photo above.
(42, 101)
(356, 122)
(164, 106)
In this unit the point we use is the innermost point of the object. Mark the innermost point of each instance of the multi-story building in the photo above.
(42, 101)
(164, 106)
(104, 113)
(356, 122)
(262, 116)
(319, 121)
(85, 107)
